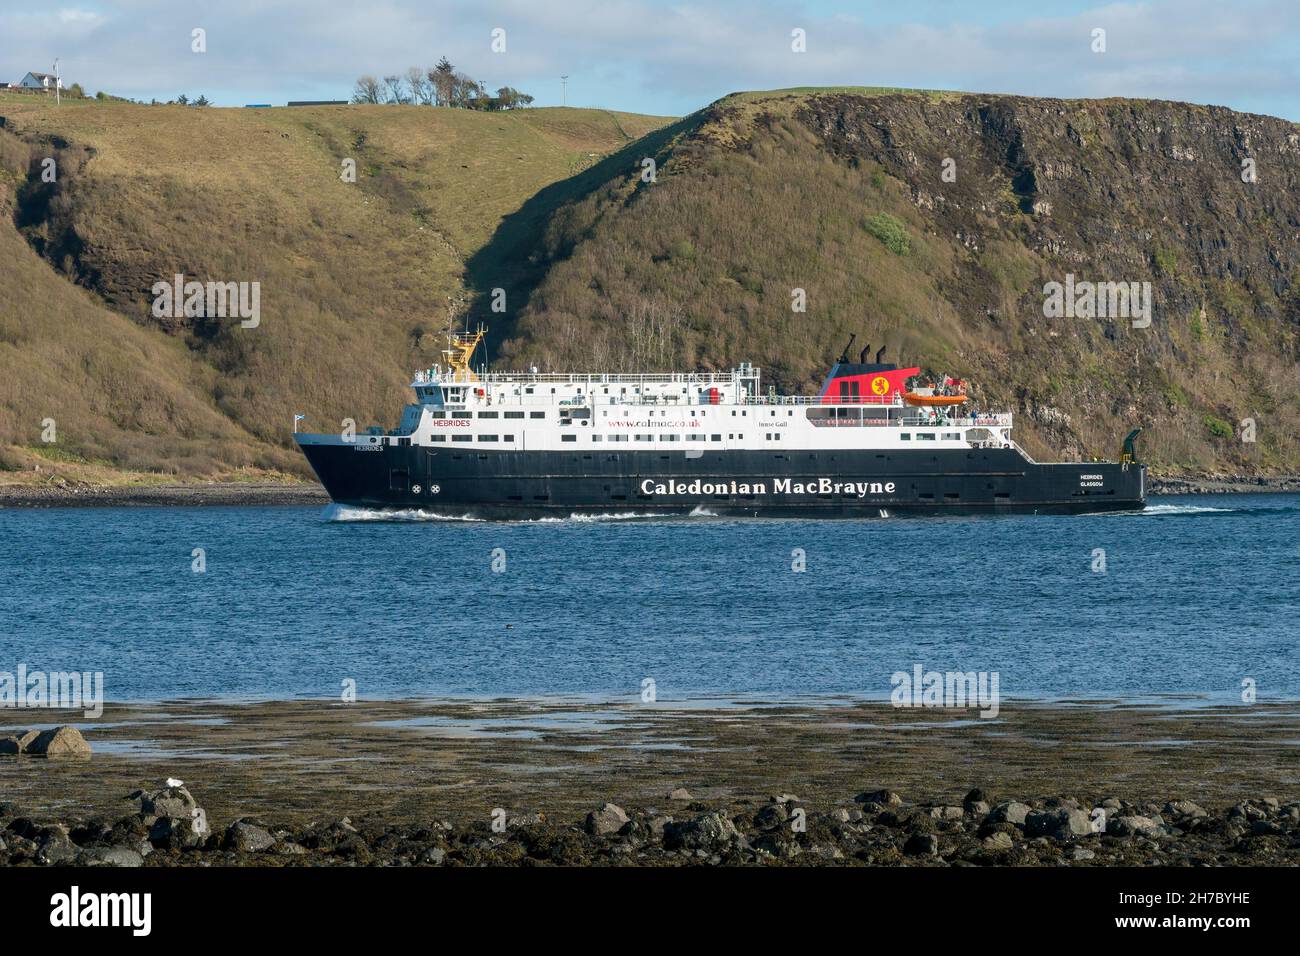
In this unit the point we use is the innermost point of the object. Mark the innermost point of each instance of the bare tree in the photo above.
(396, 92)
(419, 85)
(367, 91)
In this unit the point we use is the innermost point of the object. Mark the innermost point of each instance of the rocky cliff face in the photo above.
(936, 224)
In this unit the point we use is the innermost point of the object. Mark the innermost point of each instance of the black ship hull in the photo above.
(825, 484)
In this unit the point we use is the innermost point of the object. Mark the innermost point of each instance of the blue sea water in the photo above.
(1197, 594)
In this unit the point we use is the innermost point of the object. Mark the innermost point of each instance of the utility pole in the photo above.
(57, 98)
(564, 87)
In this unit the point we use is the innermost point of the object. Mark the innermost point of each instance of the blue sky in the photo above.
(666, 57)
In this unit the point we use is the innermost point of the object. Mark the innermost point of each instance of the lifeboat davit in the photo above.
(932, 401)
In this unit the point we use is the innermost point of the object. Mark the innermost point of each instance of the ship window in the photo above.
(528, 391)
(462, 414)
(669, 438)
(437, 438)
(437, 414)
(568, 438)
(508, 438)
(487, 415)
(595, 437)
(645, 437)
(951, 436)
(951, 494)
(715, 438)
(514, 414)
(773, 413)
(696, 437)
(536, 414)
(618, 438)
(462, 437)
(767, 435)
(487, 437)
(905, 436)
(925, 494)
(925, 436)
(1001, 494)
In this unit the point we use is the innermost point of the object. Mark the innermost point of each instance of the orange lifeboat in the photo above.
(932, 401)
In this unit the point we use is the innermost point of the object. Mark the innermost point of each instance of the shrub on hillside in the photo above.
(890, 231)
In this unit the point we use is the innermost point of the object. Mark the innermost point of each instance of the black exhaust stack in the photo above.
(862, 356)
(844, 356)
(880, 353)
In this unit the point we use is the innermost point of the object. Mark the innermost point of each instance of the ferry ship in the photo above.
(872, 442)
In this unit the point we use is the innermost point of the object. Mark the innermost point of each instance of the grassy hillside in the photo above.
(354, 278)
(842, 194)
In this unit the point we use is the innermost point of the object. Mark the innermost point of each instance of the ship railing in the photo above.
(612, 378)
(986, 421)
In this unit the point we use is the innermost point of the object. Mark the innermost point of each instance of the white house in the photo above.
(39, 81)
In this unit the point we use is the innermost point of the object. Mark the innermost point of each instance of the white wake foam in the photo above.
(1182, 509)
(352, 513)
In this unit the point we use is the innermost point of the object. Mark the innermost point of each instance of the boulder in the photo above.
(709, 831)
(946, 813)
(59, 742)
(610, 818)
(1010, 812)
(245, 837)
(179, 833)
(54, 846)
(886, 798)
(168, 802)
(1062, 823)
(1129, 826)
(997, 842)
(771, 816)
(1184, 809)
(110, 856)
(433, 856)
(681, 793)
(922, 844)
(19, 742)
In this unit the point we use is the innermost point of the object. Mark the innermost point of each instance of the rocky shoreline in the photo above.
(1223, 484)
(554, 781)
(182, 495)
(873, 828)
